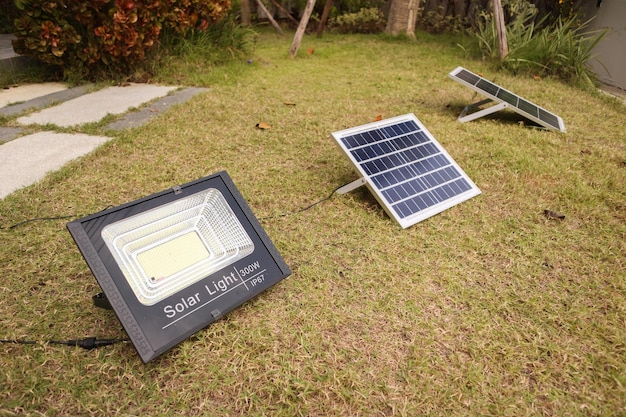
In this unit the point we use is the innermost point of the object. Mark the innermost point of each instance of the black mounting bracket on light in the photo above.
(172, 263)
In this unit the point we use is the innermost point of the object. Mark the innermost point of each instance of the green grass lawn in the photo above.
(488, 308)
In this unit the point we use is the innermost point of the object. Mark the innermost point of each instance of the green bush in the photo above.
(8, 12)
(434, 22)
(560, 49)
(104, 37)
(189, 58)
(366, 20)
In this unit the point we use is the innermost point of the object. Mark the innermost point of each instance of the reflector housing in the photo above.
(164, 250)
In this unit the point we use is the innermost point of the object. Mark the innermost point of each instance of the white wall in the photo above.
(611, 51)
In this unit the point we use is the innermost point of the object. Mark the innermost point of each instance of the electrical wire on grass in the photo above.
(37, 219)
(87, 343)
(73, 216)
(310, 206)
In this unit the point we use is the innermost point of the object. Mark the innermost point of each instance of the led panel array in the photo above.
(406, 169)
(508, 99)
(164, 250)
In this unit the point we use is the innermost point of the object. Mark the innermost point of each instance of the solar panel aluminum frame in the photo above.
(378, 193)
(475, 110)
(154, 328)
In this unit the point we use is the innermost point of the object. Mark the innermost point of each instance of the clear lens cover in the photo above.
(166, 249)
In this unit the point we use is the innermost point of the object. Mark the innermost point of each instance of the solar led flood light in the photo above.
(498, 99)
(172, 263)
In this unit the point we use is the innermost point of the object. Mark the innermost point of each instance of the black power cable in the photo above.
(87, 343)
(73, 216)
(40, 219)
(307, 207)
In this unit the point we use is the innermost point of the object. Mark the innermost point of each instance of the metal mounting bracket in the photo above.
(351, 186)
(476, 112)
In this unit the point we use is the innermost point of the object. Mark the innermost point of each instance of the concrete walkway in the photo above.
(95, 106)
(27, 158)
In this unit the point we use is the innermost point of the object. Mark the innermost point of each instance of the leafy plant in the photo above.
(366, 20)
(434, 22)
(561, 48)
(105, 36)
(186, 58)
(8, 12)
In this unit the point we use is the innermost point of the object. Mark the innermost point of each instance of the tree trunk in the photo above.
(325, 13)
(304, 21)
(498, 16)
(402, 17)
(246, 14)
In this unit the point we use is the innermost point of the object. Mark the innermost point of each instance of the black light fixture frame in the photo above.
(154, 329)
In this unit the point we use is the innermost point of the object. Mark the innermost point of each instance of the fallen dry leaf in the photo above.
(553, 215)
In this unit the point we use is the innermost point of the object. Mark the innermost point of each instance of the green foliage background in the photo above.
(103, 38)
(560, 48)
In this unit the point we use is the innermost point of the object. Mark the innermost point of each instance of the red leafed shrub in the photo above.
(105, 36)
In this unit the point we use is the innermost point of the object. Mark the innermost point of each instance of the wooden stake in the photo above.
(297, 39)
(285, 11)
(325, 13)
(269, 16)
(414, 6)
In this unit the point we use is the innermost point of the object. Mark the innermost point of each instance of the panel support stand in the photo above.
(474, 114)
(351, 186)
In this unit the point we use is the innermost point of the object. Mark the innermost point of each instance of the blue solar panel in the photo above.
(510, 100)
(405, 167)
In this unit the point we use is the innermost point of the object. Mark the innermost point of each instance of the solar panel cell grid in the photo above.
(548, 117)
(487, 86)
(408, 171)
(528, 107)
(508, 97)
(468, 77)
